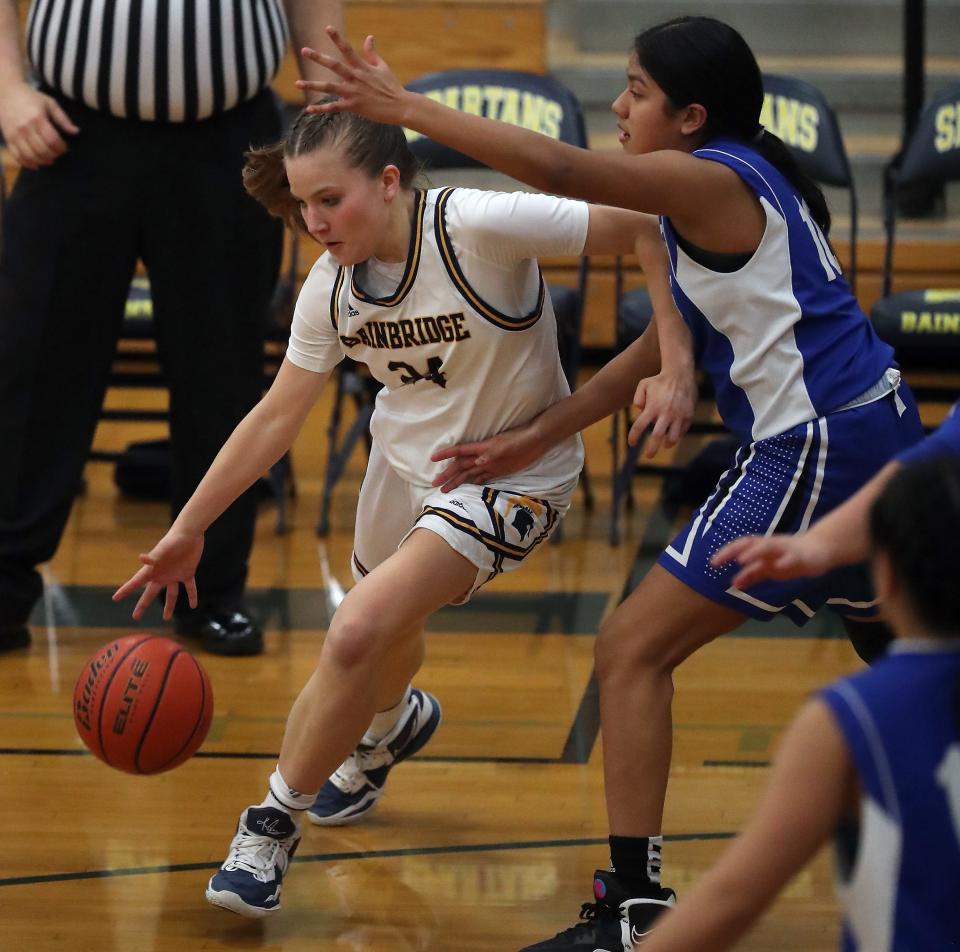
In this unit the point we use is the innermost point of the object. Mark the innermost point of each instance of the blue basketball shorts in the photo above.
(494, 528)
(783, 484)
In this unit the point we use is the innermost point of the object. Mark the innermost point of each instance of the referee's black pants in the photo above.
(171, 195)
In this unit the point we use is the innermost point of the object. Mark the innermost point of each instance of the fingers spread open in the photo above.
(731, 550)
(132, 584)
(191, 586)
(370, 51)
(170, 602)
(341, 43)
(449, 452)
(149, 594)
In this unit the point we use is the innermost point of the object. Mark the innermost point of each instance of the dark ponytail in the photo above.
(772, 148)
(703, 60)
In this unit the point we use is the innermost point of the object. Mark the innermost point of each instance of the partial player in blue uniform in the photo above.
(873, 761)
(799, 375)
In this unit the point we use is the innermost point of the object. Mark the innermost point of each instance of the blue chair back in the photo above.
(799, 114)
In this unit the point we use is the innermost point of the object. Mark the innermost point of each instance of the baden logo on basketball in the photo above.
(82, 698)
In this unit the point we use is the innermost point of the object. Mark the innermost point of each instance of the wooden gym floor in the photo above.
(487, 841)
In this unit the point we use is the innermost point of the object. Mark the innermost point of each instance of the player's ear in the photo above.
(390, 182)
(886, 585)
(693, 119)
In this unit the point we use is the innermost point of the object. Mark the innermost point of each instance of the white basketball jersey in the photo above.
(466, 344)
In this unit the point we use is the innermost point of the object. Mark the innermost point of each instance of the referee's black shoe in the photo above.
(614, 922)
(223, 633)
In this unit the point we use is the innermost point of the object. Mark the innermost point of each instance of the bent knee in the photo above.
(632, 649)
(354, 641)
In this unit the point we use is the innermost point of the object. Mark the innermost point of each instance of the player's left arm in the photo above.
(806, 795)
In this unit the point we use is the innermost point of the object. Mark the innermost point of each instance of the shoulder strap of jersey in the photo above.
(486, 311)
(412, 265)
(335, 298)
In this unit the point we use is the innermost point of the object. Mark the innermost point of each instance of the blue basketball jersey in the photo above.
(944, 441)
(783, 339)
(900, 891)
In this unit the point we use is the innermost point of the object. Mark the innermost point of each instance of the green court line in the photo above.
(567, 613)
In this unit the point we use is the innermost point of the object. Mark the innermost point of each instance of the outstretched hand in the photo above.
(478, 463)
(773, 557)
(171, 562)
(365, 84)
(666, 403)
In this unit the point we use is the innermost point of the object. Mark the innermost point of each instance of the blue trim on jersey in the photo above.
(899, 722)
(797, 313)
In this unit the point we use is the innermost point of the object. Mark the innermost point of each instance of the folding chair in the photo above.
(800, 115)
(527, 99)
(923, 325)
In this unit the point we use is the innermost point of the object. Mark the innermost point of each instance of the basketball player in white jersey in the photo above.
(440, 294)
(798, 372)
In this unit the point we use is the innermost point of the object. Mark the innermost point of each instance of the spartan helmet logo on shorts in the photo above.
(525, 513)
(522, 521)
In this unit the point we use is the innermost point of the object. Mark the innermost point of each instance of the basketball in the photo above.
(143, 704)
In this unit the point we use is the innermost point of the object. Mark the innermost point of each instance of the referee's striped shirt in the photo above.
(168, 60)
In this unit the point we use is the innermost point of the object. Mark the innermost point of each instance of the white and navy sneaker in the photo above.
(250, 879)
(357, 784)
(615, 922)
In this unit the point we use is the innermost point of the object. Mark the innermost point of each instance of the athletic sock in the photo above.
(281, 796)
(636, 861)
(384, 721)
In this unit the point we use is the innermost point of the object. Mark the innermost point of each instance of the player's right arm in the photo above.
(810, 787)
(259, 440)
(31, 121)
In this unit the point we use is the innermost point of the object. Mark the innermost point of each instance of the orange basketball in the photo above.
(143, 704)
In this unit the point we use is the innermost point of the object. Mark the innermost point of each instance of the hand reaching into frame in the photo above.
(478, 463)
(774, 557)
(365, 84)
(172, 560)
(666, 403)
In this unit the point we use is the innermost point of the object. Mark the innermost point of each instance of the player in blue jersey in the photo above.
(873, 761)
(799, 375)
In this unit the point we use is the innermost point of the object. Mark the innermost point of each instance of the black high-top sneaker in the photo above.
(615, 922)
